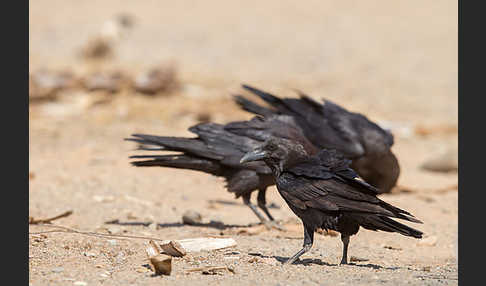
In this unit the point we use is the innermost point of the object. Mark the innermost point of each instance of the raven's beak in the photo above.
(254, 155)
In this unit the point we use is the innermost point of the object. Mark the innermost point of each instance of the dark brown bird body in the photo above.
(324, 192)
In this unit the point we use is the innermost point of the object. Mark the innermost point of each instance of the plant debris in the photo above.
(161, 263)
(198, 244)
(212, 270)
(110, 82)
(33, 220)
(357, 259)
(443, 129)
(327, 232)
(391, 247)
(160, 79)
(44, 85)
(173, 248)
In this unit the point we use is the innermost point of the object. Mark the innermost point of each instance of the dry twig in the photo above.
(33, 220)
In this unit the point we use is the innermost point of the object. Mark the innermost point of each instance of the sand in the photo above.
(394, 62)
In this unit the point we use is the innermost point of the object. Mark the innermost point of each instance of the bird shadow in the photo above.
(282, 259)
(232, 203)
(212, 224)
(224, 202)
(317, 261)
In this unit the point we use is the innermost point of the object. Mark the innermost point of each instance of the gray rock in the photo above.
(191, 217)
(444, 163)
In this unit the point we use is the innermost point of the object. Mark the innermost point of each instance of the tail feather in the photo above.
(252, 107)
(253, 128)
(303, 107)
(222, 142)
(192, 146)
(281, 105)
(399, 213)
(178, 161)
(272, 99)
(309, 101)
(384, 223)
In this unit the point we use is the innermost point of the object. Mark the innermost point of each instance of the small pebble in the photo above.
(58, 269)
(357, 259)
(153, 226)
(103, 199)
(428, 241)
(156, 80)
(191, 217)
(253, 260)
(90, 254)
(391, 247)
(444, 163)
(112, 242)
(232, 253)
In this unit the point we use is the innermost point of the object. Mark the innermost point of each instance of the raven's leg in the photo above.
(262, 203)
(345, 239)
(246, 201)
(308, 241)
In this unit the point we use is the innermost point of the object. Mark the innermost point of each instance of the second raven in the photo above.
(331, 126)
(217, 150)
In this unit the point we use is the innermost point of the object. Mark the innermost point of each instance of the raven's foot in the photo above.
(298, 254)
(291, 261)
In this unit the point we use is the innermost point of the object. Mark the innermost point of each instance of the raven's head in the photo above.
(277, 153)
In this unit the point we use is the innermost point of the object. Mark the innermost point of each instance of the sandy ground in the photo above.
(394, 62)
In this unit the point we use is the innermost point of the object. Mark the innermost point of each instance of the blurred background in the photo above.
(383, 57)
(102, 70)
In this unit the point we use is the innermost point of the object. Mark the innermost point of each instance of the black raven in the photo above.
(330, 126)
(218, 149)
(324, 192)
